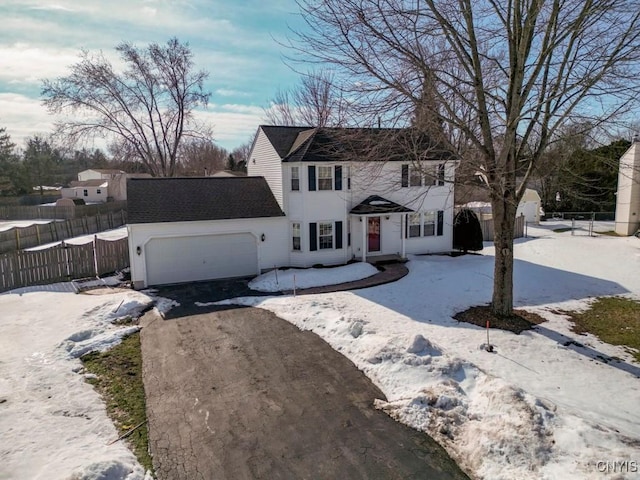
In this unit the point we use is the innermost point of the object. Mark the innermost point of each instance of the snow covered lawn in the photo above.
(54, 425)
(279, 280)
(544, 405)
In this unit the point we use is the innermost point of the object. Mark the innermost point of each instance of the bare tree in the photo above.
(147, 109)
(317, 102)
(198, 157)
(503, 75)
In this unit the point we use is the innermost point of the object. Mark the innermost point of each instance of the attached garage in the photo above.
(201, 257)
(193, 229)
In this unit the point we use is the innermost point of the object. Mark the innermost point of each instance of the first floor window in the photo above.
(429, 219)
(325, 178)
(295, 178)
(98, 191)
(86, 193)
(326, 235)
(295, 233)
(414, 225)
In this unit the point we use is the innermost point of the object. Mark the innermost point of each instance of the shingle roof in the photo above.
(376, 204)
(308, 144)
(154, 200)
(282, 138)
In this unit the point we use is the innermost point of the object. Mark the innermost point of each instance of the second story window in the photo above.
(295, 178)
(325, 178)
(415, 177)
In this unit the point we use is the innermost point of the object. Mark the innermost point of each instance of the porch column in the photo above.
(403, 232)
(365, 227)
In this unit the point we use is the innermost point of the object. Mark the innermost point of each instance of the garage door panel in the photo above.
(202, 257)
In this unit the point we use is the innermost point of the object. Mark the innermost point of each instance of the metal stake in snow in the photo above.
(489, 347)
(294, 284)
(275, 268)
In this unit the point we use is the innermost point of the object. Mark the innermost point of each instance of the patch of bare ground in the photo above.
(520, 321)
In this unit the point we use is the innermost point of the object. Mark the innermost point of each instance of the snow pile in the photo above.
(54, 424)
(283, 280)
(544, 405)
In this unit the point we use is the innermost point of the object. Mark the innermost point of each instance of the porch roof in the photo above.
(377, 205)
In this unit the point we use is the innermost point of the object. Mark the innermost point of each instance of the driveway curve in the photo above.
(242, 394)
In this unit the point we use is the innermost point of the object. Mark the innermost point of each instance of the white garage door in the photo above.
(206, 257)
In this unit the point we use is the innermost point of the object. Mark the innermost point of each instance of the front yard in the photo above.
(550, 402)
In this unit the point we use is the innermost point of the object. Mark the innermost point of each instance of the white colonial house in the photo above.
(312, 196)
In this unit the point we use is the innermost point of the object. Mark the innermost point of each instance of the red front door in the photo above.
(374, 234)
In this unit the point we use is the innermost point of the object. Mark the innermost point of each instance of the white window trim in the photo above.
(332, 169)
(333, 234)
(291, 179)
(300, 235)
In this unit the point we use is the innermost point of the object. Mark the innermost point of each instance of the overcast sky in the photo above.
(232, 39)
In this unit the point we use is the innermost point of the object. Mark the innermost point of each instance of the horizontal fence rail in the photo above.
(19, 238)
(62, 263)
(52, 212)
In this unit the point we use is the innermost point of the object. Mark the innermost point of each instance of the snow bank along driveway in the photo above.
(541, 406)
(53, 425)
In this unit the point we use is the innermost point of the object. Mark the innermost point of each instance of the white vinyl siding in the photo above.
(265, 162)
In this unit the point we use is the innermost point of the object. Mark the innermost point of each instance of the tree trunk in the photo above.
(504, 217)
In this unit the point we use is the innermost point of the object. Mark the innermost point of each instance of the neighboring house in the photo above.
(310, 198)
(628, 194)
(228, 173)
(100, 185)
(530, 207)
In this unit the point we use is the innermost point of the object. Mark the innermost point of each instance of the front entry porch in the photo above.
(382, 226)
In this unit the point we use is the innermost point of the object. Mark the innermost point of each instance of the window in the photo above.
(86, 192)
(429, 228)
(325, 178)
(98, 191)
(325, 236)
(440, 175)
(404, 179)
(295, 234)
(295, 178)
(414, 225)
(415, 177)
(348, 178)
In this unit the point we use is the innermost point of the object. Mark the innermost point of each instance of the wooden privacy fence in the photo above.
(15, 212)
(19, 238)
(487, 228)
(62, 263)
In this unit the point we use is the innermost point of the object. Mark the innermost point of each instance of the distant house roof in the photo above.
(228, 173)
(97, 182)
(105, 170)
(376, 204)
(309, 144)
(189, 199)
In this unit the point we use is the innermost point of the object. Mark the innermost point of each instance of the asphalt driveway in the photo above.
(242, 394)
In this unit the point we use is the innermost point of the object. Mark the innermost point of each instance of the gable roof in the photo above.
(189, 199)
(376, 204)
(309, 144)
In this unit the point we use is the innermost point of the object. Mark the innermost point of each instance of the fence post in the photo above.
(122, 217)
(95, 255)
(38, 233)
(573, 226)
(17, 238)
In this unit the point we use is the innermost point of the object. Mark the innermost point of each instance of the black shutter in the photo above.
(440, 222)
(338, 178)
(313, 237)
(312, 177)
(441, 174)
(405, 175)
(338, 234)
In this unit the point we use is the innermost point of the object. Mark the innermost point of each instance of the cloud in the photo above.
(23, 117)
(23, 63)
(224, 92)
(51, 7)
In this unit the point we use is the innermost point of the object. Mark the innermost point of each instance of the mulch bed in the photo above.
(518, 322)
